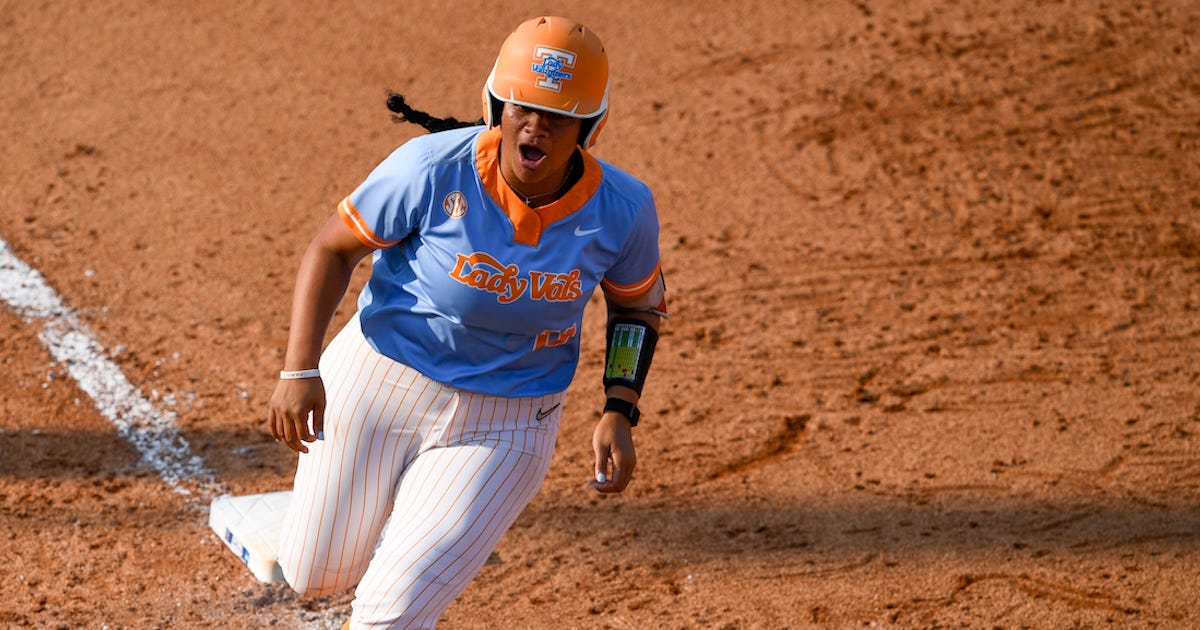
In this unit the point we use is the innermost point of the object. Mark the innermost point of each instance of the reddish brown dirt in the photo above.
(934, 272)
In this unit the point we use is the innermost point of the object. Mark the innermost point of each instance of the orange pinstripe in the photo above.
(412, 488)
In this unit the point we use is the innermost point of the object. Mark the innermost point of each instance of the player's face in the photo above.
(535, 147)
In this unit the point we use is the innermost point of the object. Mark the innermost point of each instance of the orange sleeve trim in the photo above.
(358, 226)
(637, 288)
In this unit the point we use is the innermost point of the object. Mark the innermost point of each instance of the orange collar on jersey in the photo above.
(528, 223)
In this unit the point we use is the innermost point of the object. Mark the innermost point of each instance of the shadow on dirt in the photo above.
(858, 526)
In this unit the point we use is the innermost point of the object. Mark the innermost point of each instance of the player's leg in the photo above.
(453, 506)
(345, 485)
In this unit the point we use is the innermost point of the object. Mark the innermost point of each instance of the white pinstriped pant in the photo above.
(447, 470)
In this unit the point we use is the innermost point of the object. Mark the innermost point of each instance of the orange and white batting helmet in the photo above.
(554, 64)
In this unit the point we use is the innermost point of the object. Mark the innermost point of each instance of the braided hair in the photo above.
(403, 112)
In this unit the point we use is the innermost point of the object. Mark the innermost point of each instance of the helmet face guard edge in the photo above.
(553, 64)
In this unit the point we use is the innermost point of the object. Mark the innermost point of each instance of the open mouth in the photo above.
(531, 156)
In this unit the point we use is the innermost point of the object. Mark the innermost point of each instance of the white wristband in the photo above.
(295, 374)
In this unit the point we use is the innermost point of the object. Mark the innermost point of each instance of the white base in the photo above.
(250, 526)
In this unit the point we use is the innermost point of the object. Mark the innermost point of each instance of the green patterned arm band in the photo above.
(630, 349)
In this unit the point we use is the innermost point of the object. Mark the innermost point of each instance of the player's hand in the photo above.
(291, 404)
(612, 442)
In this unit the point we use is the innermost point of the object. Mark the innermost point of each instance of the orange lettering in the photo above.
(483, 272)
(551, 338)
(555, 287)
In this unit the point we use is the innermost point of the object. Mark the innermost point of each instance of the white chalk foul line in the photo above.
(152, 431)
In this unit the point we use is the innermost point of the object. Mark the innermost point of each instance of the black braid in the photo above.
(405, 113)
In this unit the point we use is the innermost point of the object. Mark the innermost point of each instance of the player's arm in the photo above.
(632, 335)
(321, 283)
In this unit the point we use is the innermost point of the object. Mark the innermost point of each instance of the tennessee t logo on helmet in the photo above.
(553, 64)
(551, 67)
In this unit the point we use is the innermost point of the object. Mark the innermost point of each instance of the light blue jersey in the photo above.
(479, 291)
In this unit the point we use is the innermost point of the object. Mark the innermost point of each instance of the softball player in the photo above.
(434, 412)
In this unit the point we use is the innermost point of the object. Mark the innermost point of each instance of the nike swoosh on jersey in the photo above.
(542, 414)
(579, 231)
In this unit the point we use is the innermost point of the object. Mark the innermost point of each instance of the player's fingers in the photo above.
(624, 460)
(618, 478)
(602, 474)
(272, 424)
(305, 434)
(279, 425)
(292, 433)
(288, 437)
(299, 440)
(318, 420)
(605, 483)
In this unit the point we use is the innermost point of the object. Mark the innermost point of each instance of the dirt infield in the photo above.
(934, 274)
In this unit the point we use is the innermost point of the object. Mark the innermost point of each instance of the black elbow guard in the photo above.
(630, 349)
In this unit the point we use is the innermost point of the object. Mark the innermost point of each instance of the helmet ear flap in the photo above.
(497, 110)
(590, 131)
(487, 106)
(492, 108)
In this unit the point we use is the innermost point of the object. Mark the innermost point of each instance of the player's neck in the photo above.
(543, 198)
